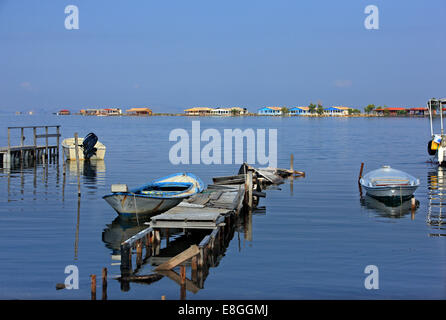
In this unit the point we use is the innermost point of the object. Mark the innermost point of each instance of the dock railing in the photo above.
(34, 149)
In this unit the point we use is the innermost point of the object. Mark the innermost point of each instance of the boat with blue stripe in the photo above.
(154, 197)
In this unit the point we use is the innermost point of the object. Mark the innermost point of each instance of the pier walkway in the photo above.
(22, 152)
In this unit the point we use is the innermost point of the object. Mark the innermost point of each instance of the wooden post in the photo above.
(183, 282)
(58, 142)
(126, 260)
(93, 286)
(138, 253)
(292, 163)
(104, 283)
(64, 162)
(360, 171)
(46, 143)
(193, 273)
(249, 181)
(35, 137)
(76, 149)
(359, 179)
(413, 205)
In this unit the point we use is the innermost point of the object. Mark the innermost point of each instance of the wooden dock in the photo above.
(215, 213)
(31, 152)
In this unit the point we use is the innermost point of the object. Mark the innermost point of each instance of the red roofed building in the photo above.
(64, 112)
(418, 111)
(390, 111)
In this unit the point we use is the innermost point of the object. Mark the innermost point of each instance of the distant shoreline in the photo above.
(237, 116)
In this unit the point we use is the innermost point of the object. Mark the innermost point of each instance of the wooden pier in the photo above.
(218, 210)
(25, 152)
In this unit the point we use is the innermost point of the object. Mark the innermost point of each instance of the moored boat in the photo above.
(89, 148)
(387, 182)
(154, 197)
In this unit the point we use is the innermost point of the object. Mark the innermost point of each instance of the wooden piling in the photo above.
(138, 253)
(194, 267)
(292, 163)
(104, 283)
(46, 143)
(183, 282)
(93, 286)
(360, 171)
(249, 186)
(76, 148)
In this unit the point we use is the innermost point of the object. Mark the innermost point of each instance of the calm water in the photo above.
(313, 242)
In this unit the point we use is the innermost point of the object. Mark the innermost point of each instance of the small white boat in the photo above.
(387, 182)
(70, 152)
(154, 197)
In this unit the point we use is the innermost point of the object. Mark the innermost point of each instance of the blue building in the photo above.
(298, 111)
(270, 111)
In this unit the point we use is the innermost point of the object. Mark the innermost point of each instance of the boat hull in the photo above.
(391, 191)
(133, 205)
(70, 150)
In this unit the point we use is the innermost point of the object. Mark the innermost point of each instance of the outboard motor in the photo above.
(88, 145)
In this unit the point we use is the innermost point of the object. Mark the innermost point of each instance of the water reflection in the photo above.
(173, 242)
(118, 231)
(437, 196)
(389, 208)
(92, 171)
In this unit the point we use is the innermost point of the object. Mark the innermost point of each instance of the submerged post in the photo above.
(183, 282)
(76, 151)
(46, 143)
(93, 286)
(104, 283)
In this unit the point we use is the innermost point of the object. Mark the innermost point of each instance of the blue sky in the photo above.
(175, 54)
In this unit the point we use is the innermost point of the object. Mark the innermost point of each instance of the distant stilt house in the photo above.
(64, 112)
(221, 112)
(101, 112)
(336, 111)
(299, 111)
(418, 111)
(390, 111)
(270, 111)
(199, 111)
(111, 112)
(89, 112)
(139, 112)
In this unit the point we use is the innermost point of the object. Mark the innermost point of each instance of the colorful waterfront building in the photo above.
(139, 112)
(390, 111)
(418, 111)
(198, 111)
(110, 112)
(299, 111)
(336, 111)
(270, 111)
(64, 112)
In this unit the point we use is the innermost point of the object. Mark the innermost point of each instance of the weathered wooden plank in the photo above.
(180, 258)
(129, 242)
(145, 278)
(190, 286)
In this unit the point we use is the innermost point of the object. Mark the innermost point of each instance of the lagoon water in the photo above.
(313, 241)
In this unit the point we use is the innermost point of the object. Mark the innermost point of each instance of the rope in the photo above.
(136, 208)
